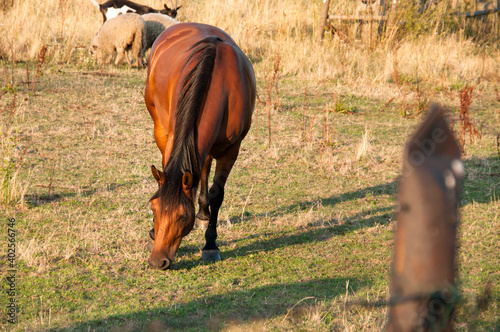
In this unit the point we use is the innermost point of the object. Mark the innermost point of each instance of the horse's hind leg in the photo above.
(215, 197)
(203, 216)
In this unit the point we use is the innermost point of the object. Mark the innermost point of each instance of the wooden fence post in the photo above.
(423, 289)
(322, 20)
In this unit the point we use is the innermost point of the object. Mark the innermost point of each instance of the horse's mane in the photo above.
(185, 156)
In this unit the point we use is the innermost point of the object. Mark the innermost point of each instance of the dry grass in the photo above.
(466, 124)
(364, 145)
(12, 188)
(263, 29)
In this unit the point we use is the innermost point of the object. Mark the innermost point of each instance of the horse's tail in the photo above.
(190, 103)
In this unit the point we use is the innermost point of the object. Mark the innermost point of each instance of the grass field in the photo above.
(306, 229)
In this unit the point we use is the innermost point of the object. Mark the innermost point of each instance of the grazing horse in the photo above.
(200, 92)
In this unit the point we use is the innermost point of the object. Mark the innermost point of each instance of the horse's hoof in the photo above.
(210, 255)
(151, 243)
(202, 223)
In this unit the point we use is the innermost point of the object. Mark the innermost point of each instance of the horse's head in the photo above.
(172, 221)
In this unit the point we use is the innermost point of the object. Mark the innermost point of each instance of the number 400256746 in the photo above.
(11, 238)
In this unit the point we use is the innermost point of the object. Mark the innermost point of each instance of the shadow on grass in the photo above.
(311, 234)
(388, 188)
(482, 180)
(216, 312)
(58, 195)
(314, 234)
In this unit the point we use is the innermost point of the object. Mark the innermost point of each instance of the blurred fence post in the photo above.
(423, 290)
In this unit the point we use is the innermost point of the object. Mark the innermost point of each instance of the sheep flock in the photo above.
(128, 35)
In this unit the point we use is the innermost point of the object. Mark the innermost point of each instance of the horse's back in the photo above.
(175, 43)
(191, 31)
(230, 98)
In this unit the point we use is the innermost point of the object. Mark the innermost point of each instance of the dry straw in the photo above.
(265, 28)
(466, 124)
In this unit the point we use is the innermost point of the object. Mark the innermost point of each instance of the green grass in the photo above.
(306, 225)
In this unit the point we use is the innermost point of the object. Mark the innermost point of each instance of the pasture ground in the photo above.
(306, 228)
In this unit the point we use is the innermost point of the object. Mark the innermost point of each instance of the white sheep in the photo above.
(123, 33)
(155, 25)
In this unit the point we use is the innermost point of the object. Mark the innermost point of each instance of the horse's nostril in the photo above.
(166, 265)
(159, 264)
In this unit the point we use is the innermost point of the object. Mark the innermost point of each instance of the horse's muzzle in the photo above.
(160, 264)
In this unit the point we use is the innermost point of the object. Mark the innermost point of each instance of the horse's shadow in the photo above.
(313, 233)
(215, 312)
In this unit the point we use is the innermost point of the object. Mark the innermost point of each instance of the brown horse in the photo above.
(200, 92)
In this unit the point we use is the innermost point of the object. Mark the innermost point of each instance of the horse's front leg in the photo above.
(203, 216)
(215, 197)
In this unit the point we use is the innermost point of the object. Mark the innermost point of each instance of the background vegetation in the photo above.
(306, 230)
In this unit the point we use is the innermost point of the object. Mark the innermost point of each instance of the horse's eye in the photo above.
(181, 218)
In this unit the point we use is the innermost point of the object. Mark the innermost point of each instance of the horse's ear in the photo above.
(158, 175)
(187, 182)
